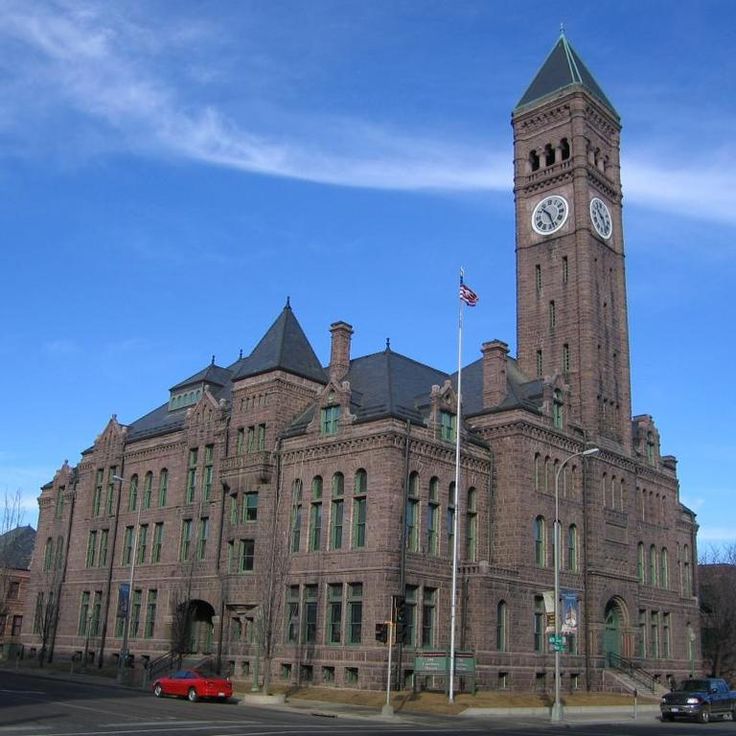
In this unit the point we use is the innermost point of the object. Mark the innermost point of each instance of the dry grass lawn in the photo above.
(434, 702)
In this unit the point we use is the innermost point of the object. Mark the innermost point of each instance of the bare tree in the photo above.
(12, 550)
(717, 588)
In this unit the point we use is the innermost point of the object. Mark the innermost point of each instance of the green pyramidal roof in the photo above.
(561, 69)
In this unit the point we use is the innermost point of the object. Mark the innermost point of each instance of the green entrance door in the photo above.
(612, 633)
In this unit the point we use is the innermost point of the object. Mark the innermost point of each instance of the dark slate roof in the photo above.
(563, 68)
(16, 547)
(520, 391)
(284, 347)
(389, 383)
(212, 374)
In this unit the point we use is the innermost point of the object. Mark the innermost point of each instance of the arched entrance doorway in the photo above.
(192, 630)
(613, 628)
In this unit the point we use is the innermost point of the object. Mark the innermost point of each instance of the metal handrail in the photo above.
(635, 671)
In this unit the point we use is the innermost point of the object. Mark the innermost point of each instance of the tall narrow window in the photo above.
(540, 542)
(538, 277)
(104, 536)
(640, 562)
(59, 509)
(666, 643)
(158, 540)
(565, 270)
(502, 614)
(135, 613)
(433, 517)
(429, 604)
(128, 545)
(650, 448)
(411, 533)
(471, 526)
(309, 632)
(204, 532)
(537, 471)
(240, 441)
(150, 613)
(566, 358)
(296, 514)
(163, 483)
(540, 366)
(664, 568)
(251, 444)
(91, 549)
(147, 490)
(654, 634)
(209, 452)
(653, 565)
(552, 315)
(97, 496)
(191, 476)
(337, 512)
(355, 613)
(261, 437)
(642, 643)
(334, 613)
(360, 510)
(315, 526)
(84, 614)
(186, 539)
(109, 503)
(572, 548)
(133, 493)
(142, 544)
(292, 614)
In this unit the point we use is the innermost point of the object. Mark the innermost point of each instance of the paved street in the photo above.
(40, 706)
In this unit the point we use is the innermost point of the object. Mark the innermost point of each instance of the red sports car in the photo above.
(193, 685)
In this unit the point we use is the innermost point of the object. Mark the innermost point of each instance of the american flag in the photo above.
(468, 295)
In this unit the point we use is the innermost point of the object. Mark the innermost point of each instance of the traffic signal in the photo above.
(402, 624)
(382, 632)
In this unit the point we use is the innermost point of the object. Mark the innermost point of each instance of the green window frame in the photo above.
(355, 613)
(247, 555)
(334, 613)
(192, 475)
(150, 614)
(128, 545)
(147, 490)
(104, 544)
(448, 426)
(315, 526)
(163, 483)
(133, 493)
(209, 452)
(91, 549)
(329, 420)
(158, 539)
(250, 506)
(185, 540)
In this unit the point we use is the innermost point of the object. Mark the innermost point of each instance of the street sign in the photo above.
(556, 642)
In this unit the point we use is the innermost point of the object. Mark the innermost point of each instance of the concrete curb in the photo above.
(621, 711)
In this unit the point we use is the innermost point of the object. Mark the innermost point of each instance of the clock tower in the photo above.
(571, 292)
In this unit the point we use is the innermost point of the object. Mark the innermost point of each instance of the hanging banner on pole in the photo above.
(123, 597)
(569, 612)
(549, 609)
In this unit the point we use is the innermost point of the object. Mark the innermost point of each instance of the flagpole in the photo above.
(458, 424)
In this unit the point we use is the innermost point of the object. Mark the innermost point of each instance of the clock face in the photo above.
(601, 218)
(550, 214)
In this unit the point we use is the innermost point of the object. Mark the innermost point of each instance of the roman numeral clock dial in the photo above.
(550, 214)
(601, 218)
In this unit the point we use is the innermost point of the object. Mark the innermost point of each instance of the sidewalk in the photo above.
(329, 710)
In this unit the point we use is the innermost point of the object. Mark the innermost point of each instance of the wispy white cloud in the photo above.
(110, 70)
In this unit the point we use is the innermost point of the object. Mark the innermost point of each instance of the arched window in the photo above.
(640, 562)
(653, 565)
(338, 484)
(296, 514)
(548, 479)
(133, 493)
(147, 490)
(540, 542)
(471, 526)
(163, 483)
(502, 624)
(687, 581)
(537, 471)
(317, 487)
(361, 481)
(557, 413)
(604, 488)
(533, 160)
(572, 548)
(411, 514)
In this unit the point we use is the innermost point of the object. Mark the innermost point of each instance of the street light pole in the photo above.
(556, 714)
(126, 625)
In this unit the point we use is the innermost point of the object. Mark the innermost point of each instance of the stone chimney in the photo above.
(340, 351)
(495, 354)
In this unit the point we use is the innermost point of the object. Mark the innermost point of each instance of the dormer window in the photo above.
(329, 420)
(185, 398)
(447, 426)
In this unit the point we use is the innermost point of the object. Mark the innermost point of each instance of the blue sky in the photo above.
(171, 172)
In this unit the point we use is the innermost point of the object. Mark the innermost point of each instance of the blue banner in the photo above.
(123, 598)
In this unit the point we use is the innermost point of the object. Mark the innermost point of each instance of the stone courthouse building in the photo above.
(270, 510)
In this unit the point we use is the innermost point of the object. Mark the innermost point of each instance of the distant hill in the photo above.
(16, 547)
